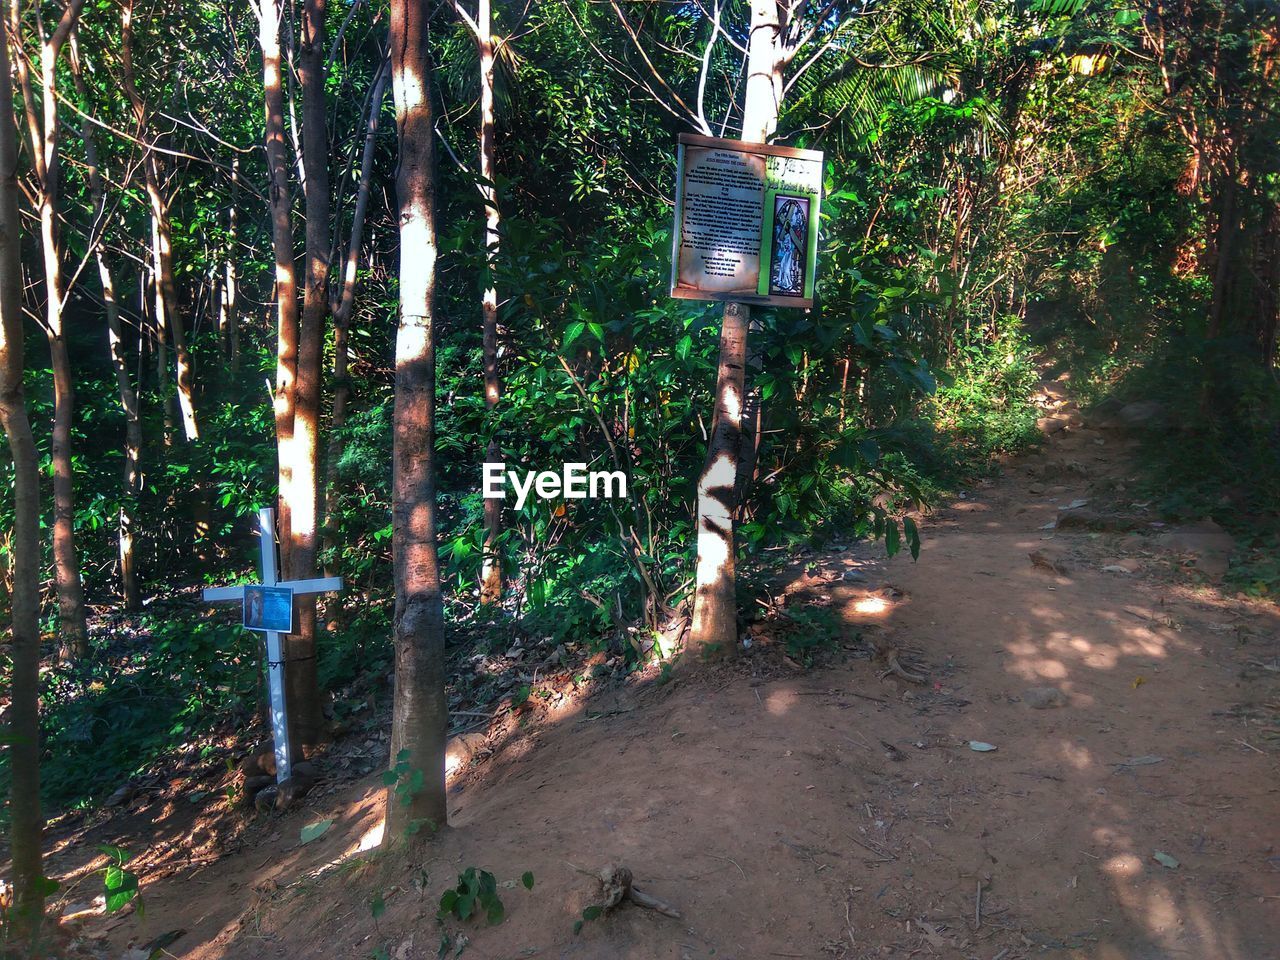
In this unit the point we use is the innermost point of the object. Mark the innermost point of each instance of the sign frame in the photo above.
(267, 608)
(764, 293)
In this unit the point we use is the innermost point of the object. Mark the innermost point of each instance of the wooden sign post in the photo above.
(268, 608)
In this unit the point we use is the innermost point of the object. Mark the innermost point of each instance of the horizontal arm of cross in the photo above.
(314, 585)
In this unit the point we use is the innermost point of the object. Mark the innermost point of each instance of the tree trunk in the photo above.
(119, 362)
(166, 287)
(1228, 224)
(300, 646)
(160, 334)
(43, 128)
(26, 823)
(345, 304)
(229, 319)
(420, 707)
(715, 615)
(286, 287)
(491, 570)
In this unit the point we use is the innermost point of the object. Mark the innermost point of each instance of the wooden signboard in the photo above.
(746, 224)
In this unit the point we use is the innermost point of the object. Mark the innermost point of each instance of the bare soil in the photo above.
(833, 811)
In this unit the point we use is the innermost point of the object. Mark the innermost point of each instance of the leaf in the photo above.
(979, 746)
(1165, 860)
(573, 331)
(313, 831)
(496, 911)
(448, 900)
(913, 536)
(118, 854)
(465, 906)
(592, 912)
(121, 891)
(377, 906)
(527, 879)
(389, 777)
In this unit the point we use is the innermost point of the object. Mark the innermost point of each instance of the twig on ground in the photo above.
(885, 855)
(728, 860)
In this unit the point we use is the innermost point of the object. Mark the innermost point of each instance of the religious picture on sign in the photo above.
(790, 245)
(746, 222)
(269, 609)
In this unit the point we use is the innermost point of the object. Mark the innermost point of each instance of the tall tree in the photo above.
(420, 707)
(304, 446)
(43, 130)
(270, 23)
(26, 822)
(129, 402)
(299, 345)
(481, 28)
(715, 612)
(168, 318)
(342, 295)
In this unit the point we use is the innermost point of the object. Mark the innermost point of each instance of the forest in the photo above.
(410, 538)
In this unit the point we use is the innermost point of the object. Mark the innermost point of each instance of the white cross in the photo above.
(275, 658)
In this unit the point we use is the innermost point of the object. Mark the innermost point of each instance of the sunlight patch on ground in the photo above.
(1161, 914)
(1123, 865)
(778, 702)
(871, 606)
(1076, 755)
(372, 837)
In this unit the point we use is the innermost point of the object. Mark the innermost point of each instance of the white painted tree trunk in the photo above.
(715, 615)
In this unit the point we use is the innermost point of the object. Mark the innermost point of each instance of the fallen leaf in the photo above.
(313, 831)
(980, 747)
(1165, 860)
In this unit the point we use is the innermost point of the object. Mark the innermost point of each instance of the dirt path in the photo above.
(832, 813)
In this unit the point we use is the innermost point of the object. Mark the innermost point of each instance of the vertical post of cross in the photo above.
(264, 616)
(275, 652)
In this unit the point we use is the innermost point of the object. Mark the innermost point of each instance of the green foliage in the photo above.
(985, 407)
(818, 628)
(593, 912)
(135, 701)
(120, 885)
(406, 781)
(476, 894)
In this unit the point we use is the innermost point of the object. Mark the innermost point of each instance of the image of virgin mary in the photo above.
(790, 245)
